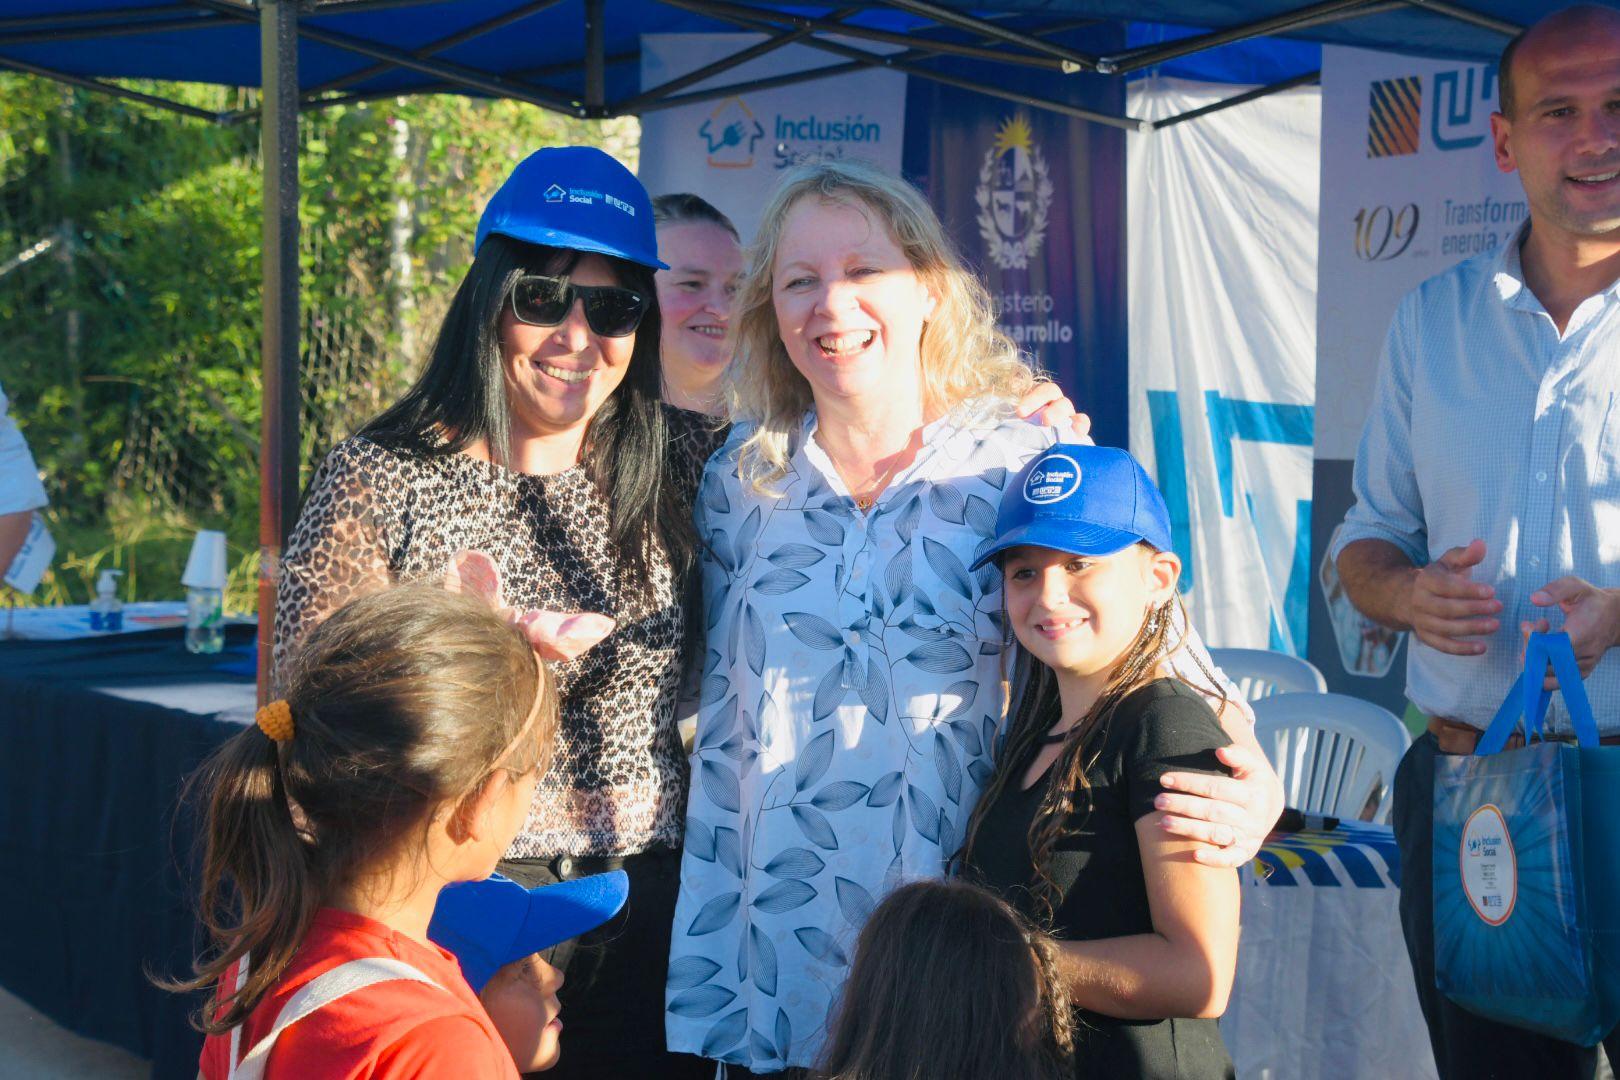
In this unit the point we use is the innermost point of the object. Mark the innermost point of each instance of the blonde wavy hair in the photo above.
(964, 355)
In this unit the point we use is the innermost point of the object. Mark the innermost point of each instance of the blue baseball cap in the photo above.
(574, 197)
(1086, 500)
(488, 924)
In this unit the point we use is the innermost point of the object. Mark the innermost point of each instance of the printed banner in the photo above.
(1034, 200)
(729, 150)
(1222, 214)
(1409, 187)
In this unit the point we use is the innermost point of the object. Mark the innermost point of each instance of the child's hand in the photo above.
(555, 635)
(521, 998)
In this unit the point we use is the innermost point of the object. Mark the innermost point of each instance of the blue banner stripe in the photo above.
(1360, 870)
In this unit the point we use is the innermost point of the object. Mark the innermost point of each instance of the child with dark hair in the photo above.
(416, 724)
(949, 981)
(1068, 828)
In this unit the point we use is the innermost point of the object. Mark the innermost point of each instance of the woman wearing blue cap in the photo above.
(1068, 829)
(536, 436)
(852, 679)
(535, 440)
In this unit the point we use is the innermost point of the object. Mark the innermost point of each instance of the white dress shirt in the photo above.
(20, 488)
(1487, 423)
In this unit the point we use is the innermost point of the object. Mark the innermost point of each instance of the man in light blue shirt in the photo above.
(1488, 478)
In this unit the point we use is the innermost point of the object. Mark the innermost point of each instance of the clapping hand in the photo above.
(1447, 607)
(555, 635)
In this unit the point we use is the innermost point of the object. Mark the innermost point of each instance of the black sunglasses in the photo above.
(609, 310)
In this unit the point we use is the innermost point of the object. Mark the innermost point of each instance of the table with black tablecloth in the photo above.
(96, 891)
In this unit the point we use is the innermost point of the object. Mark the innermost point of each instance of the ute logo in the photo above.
(1014, 195)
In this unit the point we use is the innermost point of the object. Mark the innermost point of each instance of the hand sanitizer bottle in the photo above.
(107, 611)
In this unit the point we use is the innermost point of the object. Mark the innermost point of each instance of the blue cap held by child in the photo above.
(488, 924)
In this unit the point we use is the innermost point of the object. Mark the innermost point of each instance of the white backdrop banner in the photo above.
(1409, 187)
(730, 150)
(1222, 226)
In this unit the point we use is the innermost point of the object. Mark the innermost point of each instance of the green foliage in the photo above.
(131, 348)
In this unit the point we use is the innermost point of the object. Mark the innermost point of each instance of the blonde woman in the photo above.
(851, 688)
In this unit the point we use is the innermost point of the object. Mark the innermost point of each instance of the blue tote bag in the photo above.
(1527, 865)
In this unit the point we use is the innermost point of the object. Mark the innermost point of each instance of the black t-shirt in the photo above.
(1161, 727)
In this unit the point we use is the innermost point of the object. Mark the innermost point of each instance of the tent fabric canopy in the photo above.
(543, 50)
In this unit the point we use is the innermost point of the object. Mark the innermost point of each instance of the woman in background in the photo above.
(704, 254)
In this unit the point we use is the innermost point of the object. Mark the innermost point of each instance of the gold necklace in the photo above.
(863, 503)
(865, 500)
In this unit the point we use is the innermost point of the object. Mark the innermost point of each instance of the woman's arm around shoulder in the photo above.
(1185, 966)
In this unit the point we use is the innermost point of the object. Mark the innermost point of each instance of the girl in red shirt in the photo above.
(416, 724)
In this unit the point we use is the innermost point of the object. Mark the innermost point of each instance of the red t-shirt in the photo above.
(400, 1028)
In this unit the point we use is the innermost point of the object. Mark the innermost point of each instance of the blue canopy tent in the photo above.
(580, 57)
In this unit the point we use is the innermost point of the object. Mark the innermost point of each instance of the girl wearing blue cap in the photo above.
(853, 672)
(1067, 829)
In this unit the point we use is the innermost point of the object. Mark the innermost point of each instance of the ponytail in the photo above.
(259, 891)
(400, 702)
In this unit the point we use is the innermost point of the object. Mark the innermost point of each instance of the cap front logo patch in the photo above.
(1053, 480)
(556, 193)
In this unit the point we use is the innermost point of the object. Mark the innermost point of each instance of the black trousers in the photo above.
(1466, 1046)
(613, 988)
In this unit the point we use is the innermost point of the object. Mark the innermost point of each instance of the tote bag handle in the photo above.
(1529, 697)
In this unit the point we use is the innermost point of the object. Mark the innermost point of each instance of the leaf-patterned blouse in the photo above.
(850, 692)
(852, 687)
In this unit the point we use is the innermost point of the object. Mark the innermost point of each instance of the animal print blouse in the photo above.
(375, 515)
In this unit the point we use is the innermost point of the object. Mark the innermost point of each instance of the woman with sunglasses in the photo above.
(536, 436)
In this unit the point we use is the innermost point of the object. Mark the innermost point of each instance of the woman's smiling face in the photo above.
(849, 306)
(557, 377)
(694, 298)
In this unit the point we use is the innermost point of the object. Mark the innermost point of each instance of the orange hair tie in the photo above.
(275, 720)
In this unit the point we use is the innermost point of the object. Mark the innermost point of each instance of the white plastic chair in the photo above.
(1335, 754)
(1258, 673)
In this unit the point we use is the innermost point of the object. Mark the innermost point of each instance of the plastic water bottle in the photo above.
(205, 620)
(106, 610)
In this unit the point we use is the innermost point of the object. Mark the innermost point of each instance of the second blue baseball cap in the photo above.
(574, 197)
(488, 924)
(1086, 500)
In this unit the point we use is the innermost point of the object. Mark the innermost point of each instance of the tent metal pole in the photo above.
(310, 104)
(434, 47)
(768, 83)
(1462, 14)
(112, 89)
(947, 17)
(109, 29)
(1258, 92)
(730, 13)
(346, 7)
(75, 18)
(595, 59)
(934, 46)
(1328, 11)
(452, 73)
(641, 101)
(279, 366)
